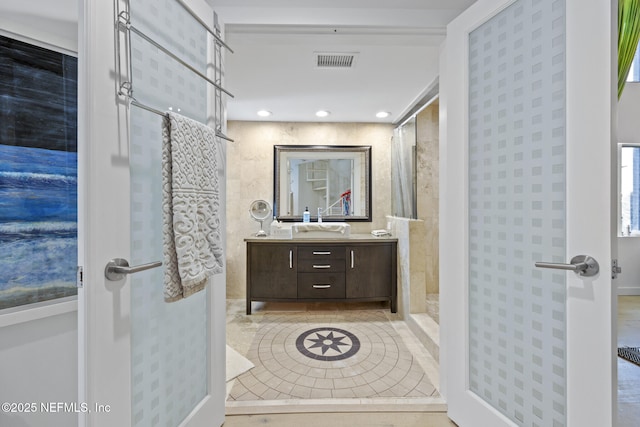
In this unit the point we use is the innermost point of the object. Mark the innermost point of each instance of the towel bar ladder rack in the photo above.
(125, 88)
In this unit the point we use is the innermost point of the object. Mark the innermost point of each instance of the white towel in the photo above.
(191, 206)
(237, 364)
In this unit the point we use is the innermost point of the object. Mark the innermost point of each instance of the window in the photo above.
(634, 72)
(629, 190)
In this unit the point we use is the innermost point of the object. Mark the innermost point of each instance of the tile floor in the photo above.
(308, 356)
(241, 328)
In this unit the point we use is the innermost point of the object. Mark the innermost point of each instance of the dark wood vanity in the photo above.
(356, 269)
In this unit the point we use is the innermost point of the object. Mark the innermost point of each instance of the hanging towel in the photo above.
(191, 206)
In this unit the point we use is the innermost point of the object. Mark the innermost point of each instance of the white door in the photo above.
(143, 361)
(528, 93)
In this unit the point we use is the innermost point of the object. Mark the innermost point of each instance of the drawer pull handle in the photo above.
(290, 258)
(321, 266)
(321, 286)
(321, 253)
(352, 260)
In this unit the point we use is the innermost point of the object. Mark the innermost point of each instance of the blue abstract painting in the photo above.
(38, 174)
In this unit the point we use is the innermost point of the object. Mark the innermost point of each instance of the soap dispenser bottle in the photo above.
(306, 215)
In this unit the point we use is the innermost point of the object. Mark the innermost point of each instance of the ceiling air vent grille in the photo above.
(335, 60)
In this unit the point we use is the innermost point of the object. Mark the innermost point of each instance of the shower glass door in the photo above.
(403, 170)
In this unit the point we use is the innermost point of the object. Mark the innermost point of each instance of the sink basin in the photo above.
(320, 230)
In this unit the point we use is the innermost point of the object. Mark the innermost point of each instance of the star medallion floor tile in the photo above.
(327, 344)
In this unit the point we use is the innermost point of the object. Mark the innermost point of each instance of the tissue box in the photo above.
(282, 233)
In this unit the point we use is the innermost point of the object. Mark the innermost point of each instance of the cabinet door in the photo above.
(271, 271)
(370, 270)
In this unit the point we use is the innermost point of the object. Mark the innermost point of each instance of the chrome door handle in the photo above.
(118, 268)
(583, 265)
(321, 266)
(321, 286)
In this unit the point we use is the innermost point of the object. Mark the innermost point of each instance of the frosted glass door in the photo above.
(143, 362)
(168, 340)
(522, 187)
(517, 354)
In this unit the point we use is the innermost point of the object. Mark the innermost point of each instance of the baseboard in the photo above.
(628, 290)
(293, 406)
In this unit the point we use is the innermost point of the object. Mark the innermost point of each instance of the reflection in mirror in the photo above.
(629, 179)
(333, 180)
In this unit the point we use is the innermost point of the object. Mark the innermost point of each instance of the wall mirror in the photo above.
(336, 179)
(629, 189)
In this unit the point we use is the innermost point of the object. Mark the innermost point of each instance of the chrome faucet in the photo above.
(319, 214)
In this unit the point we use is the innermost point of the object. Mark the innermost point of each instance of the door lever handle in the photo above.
(583, 265)
(118, 268)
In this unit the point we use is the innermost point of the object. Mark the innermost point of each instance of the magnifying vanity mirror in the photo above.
(334, 181)
(260, 211)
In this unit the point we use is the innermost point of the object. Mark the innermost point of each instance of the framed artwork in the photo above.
(38, 174)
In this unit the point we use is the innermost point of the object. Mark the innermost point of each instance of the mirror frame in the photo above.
(279, 151)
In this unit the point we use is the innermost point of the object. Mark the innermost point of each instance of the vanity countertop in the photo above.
(365, 237)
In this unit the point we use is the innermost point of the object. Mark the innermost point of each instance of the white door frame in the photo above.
(591, 304)
(104, 328)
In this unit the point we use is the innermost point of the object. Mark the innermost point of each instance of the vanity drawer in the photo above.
(321, 252)
(321, 285)
(328, 265)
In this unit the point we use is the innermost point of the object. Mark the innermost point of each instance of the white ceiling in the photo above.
(52, 24)
(397, 42)
(274, 41)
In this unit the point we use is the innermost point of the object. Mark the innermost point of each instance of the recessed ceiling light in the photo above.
(264, 113)
(322, 113)
(383, 114)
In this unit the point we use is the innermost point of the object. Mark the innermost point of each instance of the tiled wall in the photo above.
(250, 176)
(411, 265)
(428, 183)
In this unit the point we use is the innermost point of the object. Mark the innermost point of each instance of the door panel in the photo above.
(526, 173)
(272, 271)
(369, 271)
(149, 361)
(517, 212)
(168, 341)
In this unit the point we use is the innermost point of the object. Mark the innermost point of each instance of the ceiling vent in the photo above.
(340, 60)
